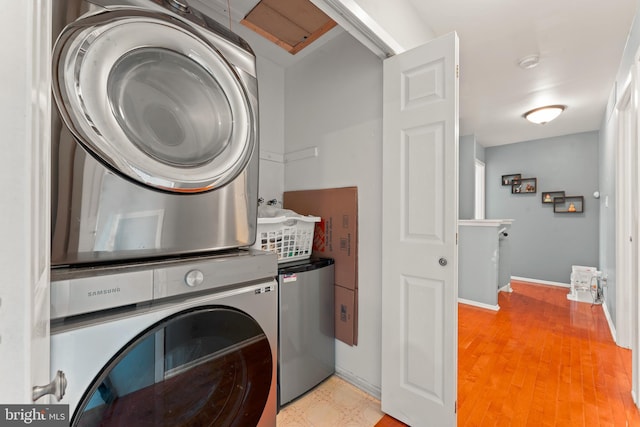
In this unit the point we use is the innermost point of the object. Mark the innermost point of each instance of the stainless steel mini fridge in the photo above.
(306, 343)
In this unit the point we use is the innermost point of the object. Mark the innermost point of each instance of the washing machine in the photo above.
(154, 135)
(173, 343)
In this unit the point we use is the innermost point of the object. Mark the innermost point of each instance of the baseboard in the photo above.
(506, 288)
(479, 304)
(358, 382)
(541, 282)
(612, 327)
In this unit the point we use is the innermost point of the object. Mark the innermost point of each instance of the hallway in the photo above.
(541, 360)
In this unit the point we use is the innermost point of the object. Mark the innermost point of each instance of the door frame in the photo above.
(627, 247)
(26, 116)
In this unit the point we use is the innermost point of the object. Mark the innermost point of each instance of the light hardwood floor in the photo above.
(541, 360)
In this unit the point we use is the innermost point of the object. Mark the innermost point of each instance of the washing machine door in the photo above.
(154, 100)
(210, 366)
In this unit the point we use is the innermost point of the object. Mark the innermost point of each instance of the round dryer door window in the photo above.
(154, 100)
(207, 367)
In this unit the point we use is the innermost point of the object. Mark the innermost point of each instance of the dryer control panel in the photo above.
(88, 294)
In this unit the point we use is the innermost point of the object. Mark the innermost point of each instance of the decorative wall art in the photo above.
(524, 185)
(561, 202)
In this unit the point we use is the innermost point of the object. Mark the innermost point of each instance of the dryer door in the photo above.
(151, 98)
(203, 367)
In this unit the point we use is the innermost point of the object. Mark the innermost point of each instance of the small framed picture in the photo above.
(550, 196)
(510, 179)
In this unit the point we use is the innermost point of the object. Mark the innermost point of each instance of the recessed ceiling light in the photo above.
(529, 61)
(544, 115)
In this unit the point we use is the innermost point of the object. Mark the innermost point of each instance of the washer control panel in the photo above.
(213, 273)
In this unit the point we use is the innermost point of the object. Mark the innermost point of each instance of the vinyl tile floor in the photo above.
(335, 402)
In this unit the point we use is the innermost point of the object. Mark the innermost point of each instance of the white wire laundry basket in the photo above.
(586, 280)
(290, 235)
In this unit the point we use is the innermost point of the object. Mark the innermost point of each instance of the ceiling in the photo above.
(579, 43)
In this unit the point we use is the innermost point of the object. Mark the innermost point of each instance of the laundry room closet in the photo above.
(327, 102)
(321, 127)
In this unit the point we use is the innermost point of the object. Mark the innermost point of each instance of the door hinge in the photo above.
(456, 238)
(457, 71)
(455, 407)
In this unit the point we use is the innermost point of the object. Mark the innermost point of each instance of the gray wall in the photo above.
(545, 245)
(469, 151)
(466, 177)
(607, 253)
(480, 152)
(478, 258)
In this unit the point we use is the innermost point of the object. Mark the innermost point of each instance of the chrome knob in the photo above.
(57, 387)
(442, 261)
(194, 278)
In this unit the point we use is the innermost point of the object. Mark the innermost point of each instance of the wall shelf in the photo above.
(548, 197)
(524, 185)
(508, 179)
(569, 204)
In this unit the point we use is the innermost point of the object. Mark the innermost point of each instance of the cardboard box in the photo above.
(346, 315)
(336, 235)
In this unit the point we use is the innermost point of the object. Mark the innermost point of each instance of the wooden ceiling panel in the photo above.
(272, 22)
(304, 13)
(291, 24)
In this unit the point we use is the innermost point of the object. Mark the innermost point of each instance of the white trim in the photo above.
(358, 382)
(479, 191)
(506, 288)
(357, 22)
(479, 304)
(626, 136)
(612, 326)
(541, 282)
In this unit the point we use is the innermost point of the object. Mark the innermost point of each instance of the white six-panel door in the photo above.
(419, 254)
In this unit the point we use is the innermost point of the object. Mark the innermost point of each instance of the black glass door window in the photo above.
(206, 367)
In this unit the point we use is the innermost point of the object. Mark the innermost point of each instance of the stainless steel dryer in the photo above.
(155, 140)
(173, 343)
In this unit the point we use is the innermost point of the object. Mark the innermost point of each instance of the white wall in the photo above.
(333, 101)
(271, 113)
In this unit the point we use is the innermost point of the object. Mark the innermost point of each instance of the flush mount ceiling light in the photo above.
(544, 115)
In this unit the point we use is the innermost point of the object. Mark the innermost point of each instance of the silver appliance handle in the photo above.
(57, 387)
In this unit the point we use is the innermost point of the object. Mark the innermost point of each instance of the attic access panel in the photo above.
(291, 24)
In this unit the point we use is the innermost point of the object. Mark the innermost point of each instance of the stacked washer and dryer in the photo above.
(159, 316)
